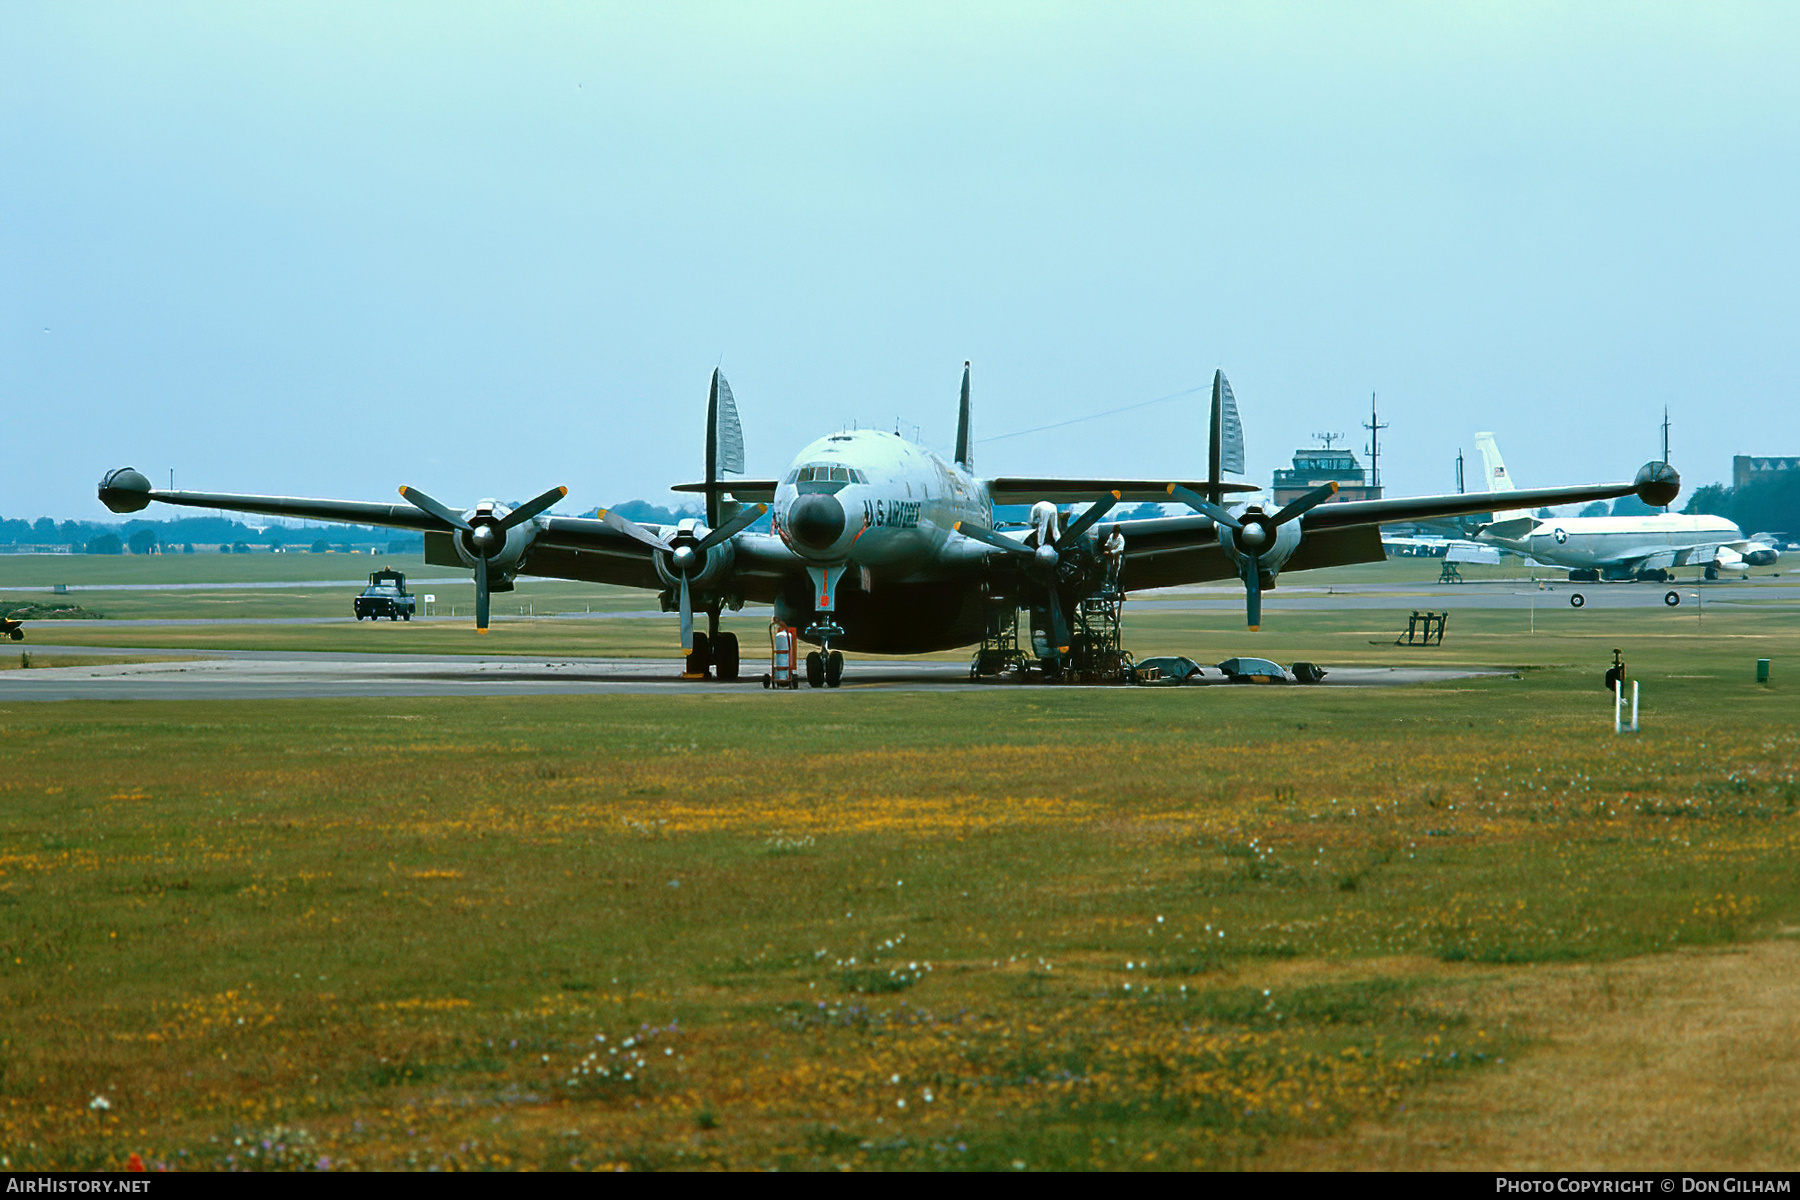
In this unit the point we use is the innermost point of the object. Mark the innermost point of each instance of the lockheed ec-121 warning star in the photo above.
(883, 546)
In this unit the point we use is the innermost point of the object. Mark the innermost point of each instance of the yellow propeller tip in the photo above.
(1170, 489)
(1256, 629)
(1117, 494)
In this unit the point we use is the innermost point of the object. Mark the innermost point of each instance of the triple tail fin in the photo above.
(724, 443)
(965, 450)
(1226, 448)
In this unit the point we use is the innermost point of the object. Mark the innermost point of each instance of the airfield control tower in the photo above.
(1321, 465)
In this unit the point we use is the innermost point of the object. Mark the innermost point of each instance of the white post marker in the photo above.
(1618, 704)
(1634, 703)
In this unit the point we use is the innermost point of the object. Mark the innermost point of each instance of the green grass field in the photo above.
(1034, 927)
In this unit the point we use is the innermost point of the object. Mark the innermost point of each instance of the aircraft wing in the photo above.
(1028, 489)
(1418, 508)
(1164, 552)
(1168, 551)
(560, 547)
(594, 552)
(346, 512)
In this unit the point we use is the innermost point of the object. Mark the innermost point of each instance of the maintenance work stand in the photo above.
(1423, 629)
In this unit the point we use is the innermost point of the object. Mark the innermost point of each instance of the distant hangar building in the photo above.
(1746, 467)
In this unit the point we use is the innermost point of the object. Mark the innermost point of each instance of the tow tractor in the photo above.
(386, 596)
(782, 640)
(12, 629)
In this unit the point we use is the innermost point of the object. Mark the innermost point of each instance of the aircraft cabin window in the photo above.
(840, 475)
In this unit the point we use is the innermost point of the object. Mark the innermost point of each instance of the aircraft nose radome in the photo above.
(815, 520)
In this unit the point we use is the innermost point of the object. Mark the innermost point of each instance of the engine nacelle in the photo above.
(702, 570)
(1261, 541)
(504, 549)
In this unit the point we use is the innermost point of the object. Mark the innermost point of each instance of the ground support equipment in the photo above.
(1423, 629)
(1096, 650)
(999, 651)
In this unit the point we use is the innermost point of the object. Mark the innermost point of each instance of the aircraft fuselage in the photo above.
(885, 509)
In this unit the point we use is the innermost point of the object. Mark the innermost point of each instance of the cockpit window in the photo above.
(827, 473)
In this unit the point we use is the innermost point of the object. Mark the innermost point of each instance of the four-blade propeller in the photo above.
(483, 535)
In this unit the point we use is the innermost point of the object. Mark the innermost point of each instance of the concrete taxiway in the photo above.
(267, 674)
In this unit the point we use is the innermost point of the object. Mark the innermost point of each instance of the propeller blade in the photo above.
(1252, 596)
(532, 508)
(987, 536)
(632, 529)
(1204, 507)
(1312, 499)
(1085, 521)
(746, 517)
(687, 617)
(1059, 625)
(426, 504)
(481, 595)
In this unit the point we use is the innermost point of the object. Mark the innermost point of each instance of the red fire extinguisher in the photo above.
(783, 640)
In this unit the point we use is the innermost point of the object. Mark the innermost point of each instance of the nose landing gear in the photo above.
(825, 668)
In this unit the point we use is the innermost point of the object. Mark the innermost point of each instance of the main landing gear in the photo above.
(713, 650)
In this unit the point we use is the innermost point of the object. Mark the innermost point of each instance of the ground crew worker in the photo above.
(1114, 552)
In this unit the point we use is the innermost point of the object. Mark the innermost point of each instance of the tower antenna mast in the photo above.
(1374, 426)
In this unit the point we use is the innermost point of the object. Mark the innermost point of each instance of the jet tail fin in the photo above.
(1497, 478)
(965, 450)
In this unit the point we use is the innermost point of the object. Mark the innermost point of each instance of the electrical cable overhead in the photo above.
(1111, 412)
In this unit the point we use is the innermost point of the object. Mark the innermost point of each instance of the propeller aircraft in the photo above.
(881, 545)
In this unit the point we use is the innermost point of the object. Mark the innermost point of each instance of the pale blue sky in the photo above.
(484, 249)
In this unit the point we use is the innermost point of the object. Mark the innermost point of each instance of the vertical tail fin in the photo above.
(1494, 468)
(965, 451)
(724, 443)
(1226, 448)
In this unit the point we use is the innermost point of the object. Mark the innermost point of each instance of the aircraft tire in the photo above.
(834, 668)
(17, 635)
(1712, 573)
(725, 656)
(1576, 600)
(815, 670)
(1672, 598)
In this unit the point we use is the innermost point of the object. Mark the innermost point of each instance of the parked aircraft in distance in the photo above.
(882, 545)
(1646, 547)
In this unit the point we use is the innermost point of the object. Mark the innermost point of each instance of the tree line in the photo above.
(187, 533)
(1770, 503)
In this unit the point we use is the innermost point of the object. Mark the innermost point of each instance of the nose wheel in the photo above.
(824, 669)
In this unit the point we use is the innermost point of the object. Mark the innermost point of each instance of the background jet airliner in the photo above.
(1641, 547)
(882, 545)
